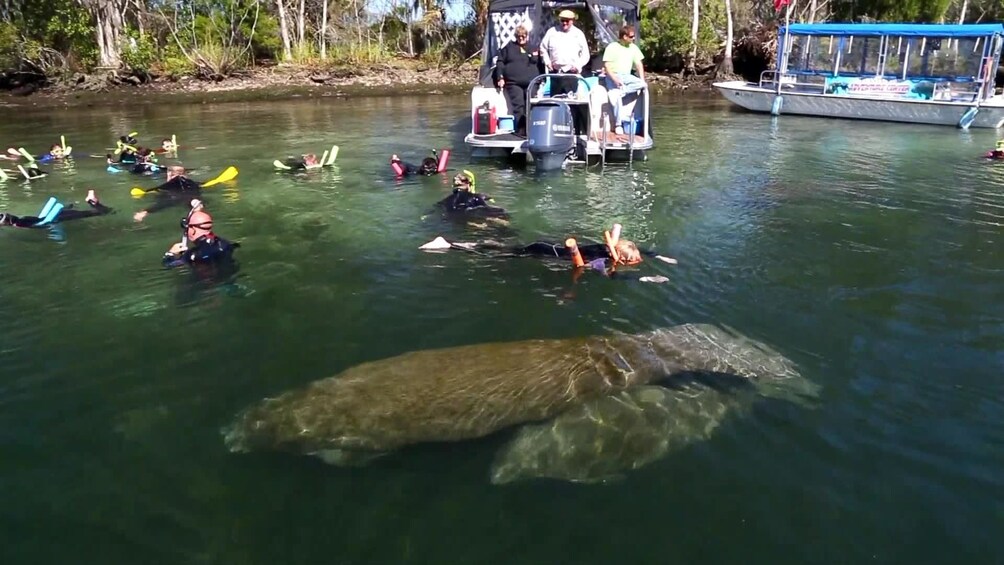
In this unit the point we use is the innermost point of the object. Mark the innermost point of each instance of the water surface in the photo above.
(869, 253)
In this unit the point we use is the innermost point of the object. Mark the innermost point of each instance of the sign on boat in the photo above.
(549, 141)
(938, 74)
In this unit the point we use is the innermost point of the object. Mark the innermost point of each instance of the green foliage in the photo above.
(891, 10)
(665, 35)
(59, 25)
(140, 53)
(358, 54)
(9, 39)
(266, 43)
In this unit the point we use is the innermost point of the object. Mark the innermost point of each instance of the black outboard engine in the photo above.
(551, 134)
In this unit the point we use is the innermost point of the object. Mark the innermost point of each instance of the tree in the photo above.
(692, 56)
(287, 52)
(107, 29)
(725, 67)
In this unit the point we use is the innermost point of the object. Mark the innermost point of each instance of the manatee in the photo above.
(465, 392)
(601, 439)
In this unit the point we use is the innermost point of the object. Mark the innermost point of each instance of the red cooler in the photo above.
(484, 120)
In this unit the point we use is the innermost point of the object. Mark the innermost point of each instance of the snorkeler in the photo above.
(177, 189)
(126, 148)
(997, 152)
(604, 257)
(57, 152)
(301, 163)
(308, 161)
(432, 165)
(198, 244)
(55, 212)
(466, 200)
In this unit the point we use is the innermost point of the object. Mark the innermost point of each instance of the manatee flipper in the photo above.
(347, 457)
(603, 438)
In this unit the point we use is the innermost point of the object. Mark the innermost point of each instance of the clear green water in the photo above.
(868, 253)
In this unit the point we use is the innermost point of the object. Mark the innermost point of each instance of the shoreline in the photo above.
(285, 83)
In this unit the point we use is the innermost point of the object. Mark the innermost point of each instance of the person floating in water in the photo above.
(301, 163)
(308, 161)
(57, 152)
(997, 152)
(432, 165)
(174, 192)
(126, 150)
(603, 257)
(198, 243)
(466, 201)
(55, 212)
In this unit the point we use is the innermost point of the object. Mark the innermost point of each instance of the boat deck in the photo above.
(507, 143)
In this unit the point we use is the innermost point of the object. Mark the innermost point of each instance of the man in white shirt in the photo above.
(564, 50)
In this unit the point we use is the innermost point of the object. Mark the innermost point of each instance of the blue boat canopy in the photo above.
(875, 30)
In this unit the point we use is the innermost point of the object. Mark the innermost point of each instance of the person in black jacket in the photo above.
(176, 191)
(517, 65)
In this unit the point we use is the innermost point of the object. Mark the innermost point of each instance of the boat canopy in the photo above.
(902, 30)
(504, 16)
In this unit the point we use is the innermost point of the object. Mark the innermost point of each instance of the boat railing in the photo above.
(792, 81)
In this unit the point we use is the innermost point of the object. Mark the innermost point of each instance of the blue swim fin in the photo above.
(52, 215)
(48, 207)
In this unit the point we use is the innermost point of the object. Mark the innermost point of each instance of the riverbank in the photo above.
(281, 82)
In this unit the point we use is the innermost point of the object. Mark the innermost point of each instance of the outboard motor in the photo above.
(551, 134)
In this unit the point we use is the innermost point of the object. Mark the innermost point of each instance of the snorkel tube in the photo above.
(573, 248)
(444, 158)
(611, 238)
(395, 163)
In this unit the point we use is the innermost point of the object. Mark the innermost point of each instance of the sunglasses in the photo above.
(628, 37)
(565, 21)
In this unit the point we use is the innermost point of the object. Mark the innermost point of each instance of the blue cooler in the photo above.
(506, 123)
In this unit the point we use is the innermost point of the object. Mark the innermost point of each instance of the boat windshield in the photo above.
(891, 57)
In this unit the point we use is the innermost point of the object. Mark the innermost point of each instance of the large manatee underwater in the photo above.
(588, 404)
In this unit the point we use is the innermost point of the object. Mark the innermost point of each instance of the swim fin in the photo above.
(48, 206)
(280, 165)
(331, 156)
(52, 215)
(3, 175)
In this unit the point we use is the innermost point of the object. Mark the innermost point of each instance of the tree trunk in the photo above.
(300, 26)
(725, 67)
(287, 52)
(324, 29)
(692, 56)
(107, 30)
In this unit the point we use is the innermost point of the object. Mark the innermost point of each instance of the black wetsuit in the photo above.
(207, 249)
(144, 168)
(296, 164)
(465, 202)
(429, 167)
(175, 192)
(595, 255)
(65, 215)
(127, 157)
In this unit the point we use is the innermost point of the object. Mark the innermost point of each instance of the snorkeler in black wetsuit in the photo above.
(176, 191)
(199, 244)
(603, 257)
(464, 201)
(432, 165)
(59, 216)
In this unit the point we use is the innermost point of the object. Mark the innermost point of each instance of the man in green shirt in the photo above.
(618, 60)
